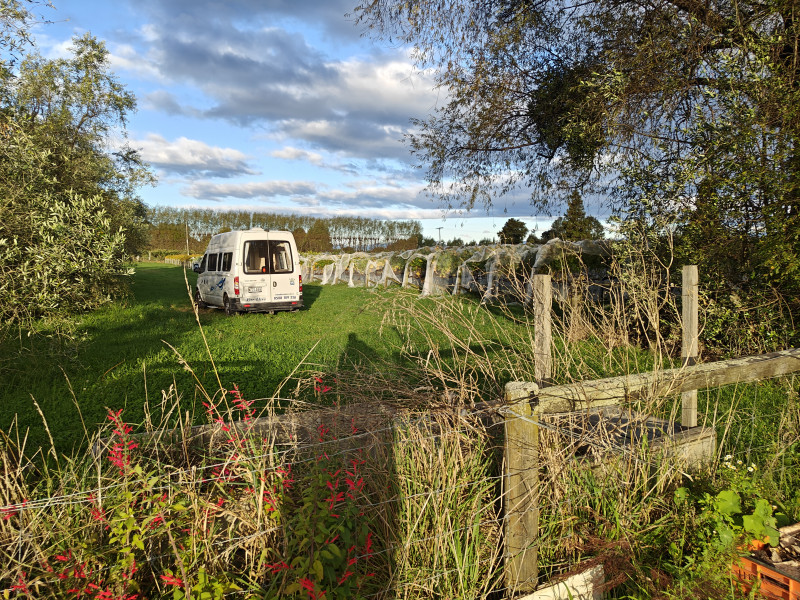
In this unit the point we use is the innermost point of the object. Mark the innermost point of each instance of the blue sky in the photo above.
(271, 105)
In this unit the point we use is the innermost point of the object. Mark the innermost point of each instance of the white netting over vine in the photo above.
(486, 270)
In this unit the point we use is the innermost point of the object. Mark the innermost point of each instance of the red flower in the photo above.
(242, 405)
(309, 586)
(21, 585)
(119, 455)
(332, 500)
(277, 567)
(64, 557)
(107, 594)
(12, 510)
(345, 576)
(287, 479)
(368, 547)
(172, 580)
(354, 486)
(156, 521)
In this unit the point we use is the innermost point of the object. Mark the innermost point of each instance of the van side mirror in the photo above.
(196, 268)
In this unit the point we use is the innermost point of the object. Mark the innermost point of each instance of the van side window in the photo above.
(212, 262)
(227, 258)
(203, 264)
(280, 256)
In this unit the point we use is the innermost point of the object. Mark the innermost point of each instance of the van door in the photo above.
(256, 280)
(285, 286)
(216, 279)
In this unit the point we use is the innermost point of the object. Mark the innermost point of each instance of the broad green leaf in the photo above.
(728, 503)
(726, 536)
(318, 570)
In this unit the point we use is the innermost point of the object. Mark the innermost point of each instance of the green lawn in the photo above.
(121, 357)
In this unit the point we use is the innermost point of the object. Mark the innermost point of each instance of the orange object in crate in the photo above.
(773, 585)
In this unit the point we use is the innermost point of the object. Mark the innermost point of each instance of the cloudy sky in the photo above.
(271, 105)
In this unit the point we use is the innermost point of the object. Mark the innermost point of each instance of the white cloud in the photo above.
(125, 58)
(204, 190)
(291, 153)
(193, 157)
(247, 75)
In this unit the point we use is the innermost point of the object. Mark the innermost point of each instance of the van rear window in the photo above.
(263, 256)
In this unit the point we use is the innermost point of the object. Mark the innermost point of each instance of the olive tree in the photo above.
(70, 211)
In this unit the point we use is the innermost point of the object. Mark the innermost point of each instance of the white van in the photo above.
(250, 271)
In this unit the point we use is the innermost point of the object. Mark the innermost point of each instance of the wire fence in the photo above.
(431, 500)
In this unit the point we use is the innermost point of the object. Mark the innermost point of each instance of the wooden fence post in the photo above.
(689, 347)
(521, 487)
(522, 450)
(542, 328)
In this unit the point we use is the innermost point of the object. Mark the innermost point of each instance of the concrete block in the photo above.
(587, 585)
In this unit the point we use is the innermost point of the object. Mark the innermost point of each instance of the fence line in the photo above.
(527, 401)
(523, 409)
(508, 410)
(502, 409)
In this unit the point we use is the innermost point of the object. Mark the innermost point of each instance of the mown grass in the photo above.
(126, 355)
(121, 355)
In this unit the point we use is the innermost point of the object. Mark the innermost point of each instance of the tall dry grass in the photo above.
(602, 500)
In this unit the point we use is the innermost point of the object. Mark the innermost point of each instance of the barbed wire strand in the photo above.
(91, 495)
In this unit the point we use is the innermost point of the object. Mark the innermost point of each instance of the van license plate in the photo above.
(254, 290)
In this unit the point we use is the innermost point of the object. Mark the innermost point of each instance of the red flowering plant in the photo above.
(291, 527)
(99, 555)
(329, 548)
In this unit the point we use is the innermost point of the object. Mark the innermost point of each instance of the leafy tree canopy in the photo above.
(513, 232)
(679, 111)
(575, 225)
(70, 213)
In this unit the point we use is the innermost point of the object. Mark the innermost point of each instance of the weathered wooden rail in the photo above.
(526, 402)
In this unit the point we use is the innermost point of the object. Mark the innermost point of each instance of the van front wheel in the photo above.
(198, 300)
(227, 304)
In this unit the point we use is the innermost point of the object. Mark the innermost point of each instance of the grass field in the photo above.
(121, 357)
(126, 355)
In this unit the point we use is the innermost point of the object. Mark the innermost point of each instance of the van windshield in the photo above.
(268, 256)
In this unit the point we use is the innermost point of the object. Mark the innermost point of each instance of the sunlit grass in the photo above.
(121, 355)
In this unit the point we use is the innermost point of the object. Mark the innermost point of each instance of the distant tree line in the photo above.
(170, 226)
(575, 225)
